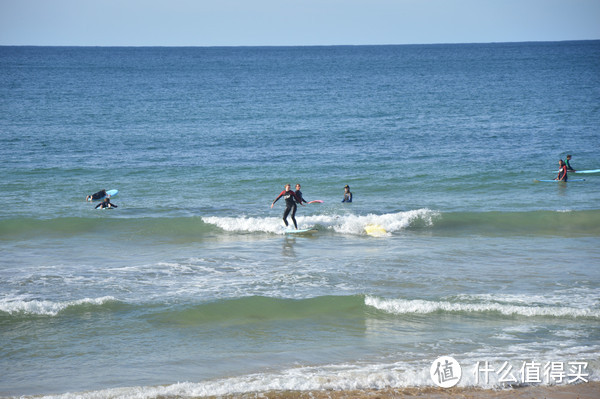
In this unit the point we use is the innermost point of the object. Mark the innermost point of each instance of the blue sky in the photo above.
(293, 22)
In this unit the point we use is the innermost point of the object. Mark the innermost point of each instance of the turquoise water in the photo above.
(191, 287)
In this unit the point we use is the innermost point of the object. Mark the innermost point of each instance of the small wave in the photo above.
(391, 222)
(49, 308)
(419, 306)
(341, 377)
(334, 377)
(555, 223)
(25, 228)
(343, 224)
(560, 223)
(261, 308)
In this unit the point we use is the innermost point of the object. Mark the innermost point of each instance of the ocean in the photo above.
(191, 287)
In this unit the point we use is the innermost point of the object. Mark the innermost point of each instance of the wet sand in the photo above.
(589, 390)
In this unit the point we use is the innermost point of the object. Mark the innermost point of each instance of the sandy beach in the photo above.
(589, 390)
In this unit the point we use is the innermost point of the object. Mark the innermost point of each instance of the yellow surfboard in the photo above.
(375, 230)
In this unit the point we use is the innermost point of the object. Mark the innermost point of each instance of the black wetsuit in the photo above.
(300, 197)
(106, 204)
(562, 173)
(290, 205)
(99, 195)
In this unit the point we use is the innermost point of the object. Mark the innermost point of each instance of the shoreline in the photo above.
(589, 390)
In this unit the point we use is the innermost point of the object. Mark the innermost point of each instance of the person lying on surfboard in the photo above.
(562, 173)
(96, 196)
(106, 204)
(290, 204)
(299, 195)
(347, 194)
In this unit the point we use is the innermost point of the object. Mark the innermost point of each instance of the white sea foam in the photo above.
(418, 306)
(339, 377)
(571, 297)
(246, 224)
(343, 224)
(47, 308)
(333, 377)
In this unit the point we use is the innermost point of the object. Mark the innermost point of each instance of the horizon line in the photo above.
(294, 45)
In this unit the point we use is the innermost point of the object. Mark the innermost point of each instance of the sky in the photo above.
(293, 22)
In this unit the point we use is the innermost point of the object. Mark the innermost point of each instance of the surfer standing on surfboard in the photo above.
(299, 195)
(290, 204)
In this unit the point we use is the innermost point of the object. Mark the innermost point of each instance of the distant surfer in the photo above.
(347, 194)
(562, 172)
(299, 195)
(290, 204)
(106, 204)
(568, 164)
(96, 196)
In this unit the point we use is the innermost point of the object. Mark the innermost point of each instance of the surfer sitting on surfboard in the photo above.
(562, 173)
(96, 196)
(290, 204)
(106, 204)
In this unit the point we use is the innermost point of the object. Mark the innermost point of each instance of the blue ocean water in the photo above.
(190, 287)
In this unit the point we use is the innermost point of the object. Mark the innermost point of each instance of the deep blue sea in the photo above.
(192, 287)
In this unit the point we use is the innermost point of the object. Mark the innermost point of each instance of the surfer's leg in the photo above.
(285, 215)
(294, 216)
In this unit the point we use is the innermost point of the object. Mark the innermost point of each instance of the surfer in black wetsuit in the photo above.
(299, 195)
(106, 204)
(290, 204)
(568, 164)
(562, 173)
(96, 196)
